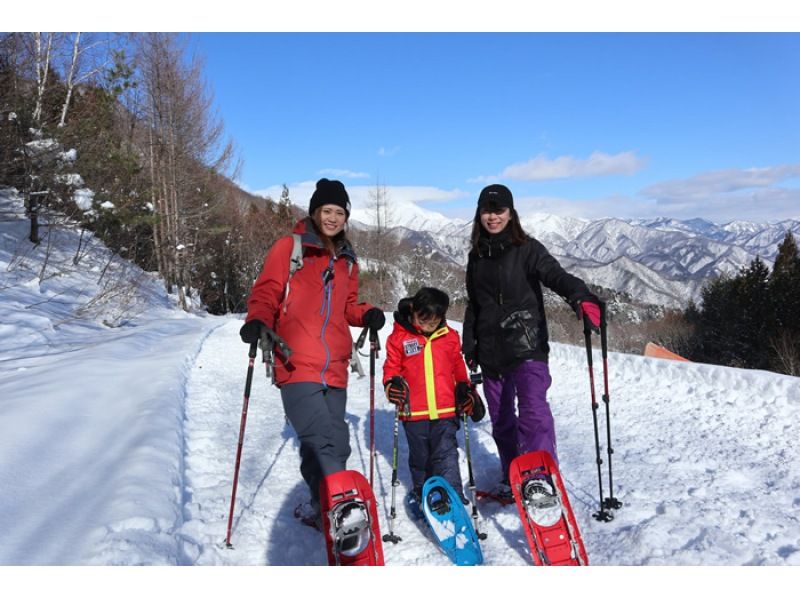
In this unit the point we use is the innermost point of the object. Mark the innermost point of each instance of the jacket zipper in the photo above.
(326, 309)
(500, 283)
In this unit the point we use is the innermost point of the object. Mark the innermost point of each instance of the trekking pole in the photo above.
(610, 502)
(602, 514)
(374, 347)
(471, 481)
(391, 536)
(248, 384)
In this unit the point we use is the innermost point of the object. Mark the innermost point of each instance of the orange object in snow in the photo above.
(654, 350)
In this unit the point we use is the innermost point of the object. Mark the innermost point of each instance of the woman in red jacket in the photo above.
(312, 311)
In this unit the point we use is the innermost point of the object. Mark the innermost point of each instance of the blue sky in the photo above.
(587, 124)
(592, 125)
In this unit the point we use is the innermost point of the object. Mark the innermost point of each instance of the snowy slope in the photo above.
(117, 446)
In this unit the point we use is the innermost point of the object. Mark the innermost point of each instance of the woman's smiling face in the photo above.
(330, 219)
(495, 221)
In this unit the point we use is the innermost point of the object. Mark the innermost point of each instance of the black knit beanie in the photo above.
(329, 192)
(496, 195)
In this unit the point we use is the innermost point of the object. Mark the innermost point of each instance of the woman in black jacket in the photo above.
(505, 329)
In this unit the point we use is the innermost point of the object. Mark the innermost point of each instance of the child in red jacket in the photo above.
(425, 376)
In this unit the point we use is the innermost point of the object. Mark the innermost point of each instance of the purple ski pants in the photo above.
(533, 429)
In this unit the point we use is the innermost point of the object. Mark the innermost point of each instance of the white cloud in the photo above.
(760, 205)
(731, 194)
(299, 193)
(340, 173)
(707, 185)
(360, 195)
(721, 200)
(542, 168)
(618, 206)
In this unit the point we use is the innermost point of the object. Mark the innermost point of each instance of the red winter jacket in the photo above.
(314, 316)
(431, 365)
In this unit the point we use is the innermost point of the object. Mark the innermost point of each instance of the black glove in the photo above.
(465, 398)
(397, 391)
(251, 331)
(374, 319)
(469, 401)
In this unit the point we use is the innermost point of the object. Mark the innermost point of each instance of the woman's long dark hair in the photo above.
(518, 234)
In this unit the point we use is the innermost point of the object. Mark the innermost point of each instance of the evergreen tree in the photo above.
(736, 322)
(784, 290)
(710, 343)
(788, 258)
(754, 316)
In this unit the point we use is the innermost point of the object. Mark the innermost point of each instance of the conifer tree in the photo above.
(784, 290)
(754, 317)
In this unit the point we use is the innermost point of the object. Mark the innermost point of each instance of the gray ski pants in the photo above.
(317, 415)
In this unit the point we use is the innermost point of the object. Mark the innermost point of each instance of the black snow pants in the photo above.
(433, 450)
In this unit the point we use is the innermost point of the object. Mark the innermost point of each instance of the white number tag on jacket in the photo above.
(411, 347)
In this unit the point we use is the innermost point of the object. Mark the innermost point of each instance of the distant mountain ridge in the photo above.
(660, 260)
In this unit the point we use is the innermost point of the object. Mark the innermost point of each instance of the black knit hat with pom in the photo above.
(329, 192)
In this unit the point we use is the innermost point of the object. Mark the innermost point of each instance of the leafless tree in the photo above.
(285, 215)
(381, 243)
(786, 349)
(186, 152)
(43, 53)
(85, 62)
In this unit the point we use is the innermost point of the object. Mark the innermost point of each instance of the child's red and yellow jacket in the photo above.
(432, 365)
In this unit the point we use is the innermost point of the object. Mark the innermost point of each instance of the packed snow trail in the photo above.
(704, 463)
(93, 455)
(270, 487)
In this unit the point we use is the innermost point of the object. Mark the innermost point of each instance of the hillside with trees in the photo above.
(117, 135)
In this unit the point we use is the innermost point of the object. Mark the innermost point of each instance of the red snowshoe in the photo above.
(350, 520)
(543, 505)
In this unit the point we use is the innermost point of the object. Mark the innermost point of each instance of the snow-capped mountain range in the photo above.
(661, 261)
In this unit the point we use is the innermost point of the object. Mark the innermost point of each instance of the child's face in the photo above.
(426, 325)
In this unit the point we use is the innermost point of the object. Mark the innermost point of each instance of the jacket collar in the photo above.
(309, 238)
(402, 318)
(494, 245)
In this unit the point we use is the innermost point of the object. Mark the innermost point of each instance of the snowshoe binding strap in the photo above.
(350, 528)
(438, 501)
(541, 502)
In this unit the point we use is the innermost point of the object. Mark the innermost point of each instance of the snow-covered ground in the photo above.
(117, 441)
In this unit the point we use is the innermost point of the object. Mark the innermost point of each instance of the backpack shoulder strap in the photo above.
(296, 259)
(295, 263)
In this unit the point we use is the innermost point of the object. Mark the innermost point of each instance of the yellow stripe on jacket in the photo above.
(430, 383)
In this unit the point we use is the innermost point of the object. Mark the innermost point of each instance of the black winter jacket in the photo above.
(505, 322)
